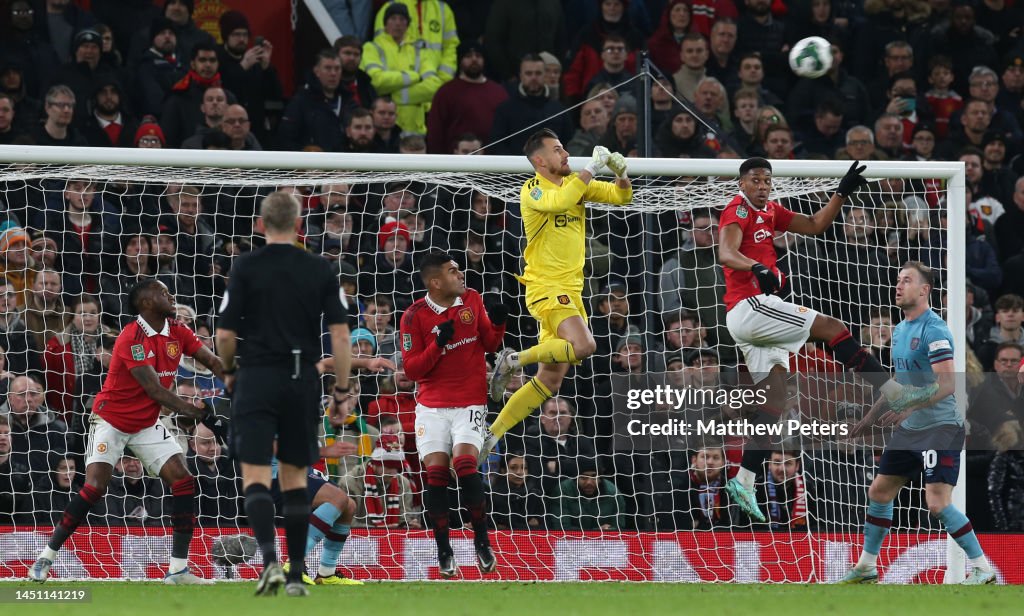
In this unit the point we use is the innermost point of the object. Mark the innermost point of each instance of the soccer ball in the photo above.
(811, 57)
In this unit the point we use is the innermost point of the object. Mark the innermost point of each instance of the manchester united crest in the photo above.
(173, 350)
(466, 316)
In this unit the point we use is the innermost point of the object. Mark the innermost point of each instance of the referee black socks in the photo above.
(259, 508)
(295, 508)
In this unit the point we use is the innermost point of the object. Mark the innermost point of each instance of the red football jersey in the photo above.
(122, 402)
(456, 375)
(759, 228)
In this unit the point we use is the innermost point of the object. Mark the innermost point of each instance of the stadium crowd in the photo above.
(911, 80)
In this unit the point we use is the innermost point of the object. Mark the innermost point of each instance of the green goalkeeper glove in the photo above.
(599, 160)
(617, 165)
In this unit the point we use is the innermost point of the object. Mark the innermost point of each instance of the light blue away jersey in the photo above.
(916, 345)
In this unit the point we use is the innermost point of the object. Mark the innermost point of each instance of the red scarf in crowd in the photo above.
(382, 510)
(194, 77)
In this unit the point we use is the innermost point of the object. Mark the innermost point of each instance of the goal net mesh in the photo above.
(79, 236)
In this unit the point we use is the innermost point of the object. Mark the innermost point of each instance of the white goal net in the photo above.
(83, 225)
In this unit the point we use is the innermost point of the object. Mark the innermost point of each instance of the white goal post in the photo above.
(658, 190)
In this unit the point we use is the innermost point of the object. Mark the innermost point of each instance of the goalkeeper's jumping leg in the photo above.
(573, 344)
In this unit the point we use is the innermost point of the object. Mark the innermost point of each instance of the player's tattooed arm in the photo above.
(206, 357)
(150, 382)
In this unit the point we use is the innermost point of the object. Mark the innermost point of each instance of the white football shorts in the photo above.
(767, 329)
(153, 446)
(439, 430)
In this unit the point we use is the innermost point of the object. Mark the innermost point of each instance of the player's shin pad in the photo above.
(528, 398)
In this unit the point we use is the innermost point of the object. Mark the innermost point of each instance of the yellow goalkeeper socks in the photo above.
(554, 351)
(529, 397)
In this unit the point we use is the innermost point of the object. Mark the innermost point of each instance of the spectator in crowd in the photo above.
(107, 123)
(693, 60)
(516, 500)
(751, 75)
(552, 75)
(758, 30)
(965, 42)
(15, 480)
(84, 234)
(712, 103)
(784, 492)
(515, 28)
(182, 108)
(17, 265)
(397, 400)
(8, 130)
(57, 129)
(942, 100)
(247, 72)
(19, 345)
(51, 496)
(995, 407)
(622, 134)
(27, 109)
(26, 44)
(237, 126)
(665, 45)
(825, 137)
(72, 353)
(137, 261)
(860, 145)
(587, 502)
(354, 80)
(377, 318)
(312, 116)
(588, 49)
(553, 444)
(35, 429)
(150, 135)
(411, 143)
(467, 104)
(613, 69)
(62, 20)
(778, 143)
(217, 495)
(723, 63)
(662, 100)
(210, 388)
(708, 506)
(745, 107)
(468, 144)
(1009, 313)
(89, 383)
(159, 68)
(838, 85)
(679, 137)
(609, 323)
(85, 70)
(360, 134)
(391, 270)
(215, 102)
(1009, 228)
(877, 336)
(193, 238)
(889, 135)
(392, 59)
(432, 28)
(187, 34)
(593, 125)
(44, 312)
(383, 494)
(976, 120)
(133, 499)
(386, 132)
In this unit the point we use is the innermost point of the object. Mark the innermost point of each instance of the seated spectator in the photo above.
(552, 75)
(52, 496)
(587, 502)
(678, 137)
(159, 68)
(996, 407)
(86, 70)
(359, 132)
(466, 104)
(751, 75)
(826, 136)
(622, 134)
(20, 352)
(784, 492)
(512, 32)
(85, 228)
(44, 313)
(708, 505)
(186, 31)
(745, 110)
(150, 135)
(217, 495)
(1009, 315)
(25, 44)
(17, 266)
(137, 262)
(693, 59)
(312, 116)
(211, 389)
(214, 103)
(132, 499)
(35, 429)
(877, 336)
(195, 241)
(383, 494)
(526, 106)
(391, 272)
(664, 45)
(354, 80)
(922, 144)
(15, 481)
(412, 143)
(58, 127)
(9, 130)
(778, 143)
(961, 39)
(72, 353)
(613, 71)
(386, 133)
(593, 125)
(860, 145)
(182, 109)
(1009, 228)
(247, 72)
(468, 144)
(942, 100)
(553, 444)
(904, 102)
(588, 50)
(516, 500)
(889, 135)
(377, 318)
(90, 382)
(975, 122)
(609, 324)
(106, 123)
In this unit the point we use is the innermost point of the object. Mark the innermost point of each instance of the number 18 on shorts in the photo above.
(439, 430)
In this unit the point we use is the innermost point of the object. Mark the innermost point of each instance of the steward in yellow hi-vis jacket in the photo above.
(555, 225)
(401, 66)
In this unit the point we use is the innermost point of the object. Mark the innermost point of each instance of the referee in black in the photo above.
(277, 299)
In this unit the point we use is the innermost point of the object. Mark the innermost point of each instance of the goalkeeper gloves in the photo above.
(766, 279)
(852, 180)
(599, 160)
(445, 331)
(617, 165)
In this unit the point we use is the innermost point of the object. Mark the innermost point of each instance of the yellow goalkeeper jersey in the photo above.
(554, 221)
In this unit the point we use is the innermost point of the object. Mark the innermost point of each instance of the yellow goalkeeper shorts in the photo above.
(552, 306)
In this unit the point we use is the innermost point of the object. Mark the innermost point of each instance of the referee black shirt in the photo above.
(275, 298)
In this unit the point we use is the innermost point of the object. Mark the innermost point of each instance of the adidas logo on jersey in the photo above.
(151, 355)
(760, 220)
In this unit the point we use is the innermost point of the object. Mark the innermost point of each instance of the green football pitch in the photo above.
(563, 599)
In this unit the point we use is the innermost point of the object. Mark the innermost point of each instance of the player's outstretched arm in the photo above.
(150, 382)
(818, 222)
(206, 357)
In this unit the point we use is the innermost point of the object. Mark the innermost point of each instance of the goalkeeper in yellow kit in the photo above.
(554, 221)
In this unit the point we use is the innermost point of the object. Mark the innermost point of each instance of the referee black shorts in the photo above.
(269, 404)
